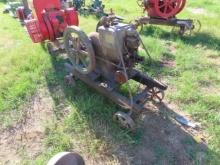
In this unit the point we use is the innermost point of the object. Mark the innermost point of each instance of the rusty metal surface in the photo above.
(184, 25)
(66, 158)
(109, 92)
(114, 49)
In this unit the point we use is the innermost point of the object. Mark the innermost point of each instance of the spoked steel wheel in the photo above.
(79, 50)
(168, 8)
(179, 30)
(51, 50)
(196, 26)
(124, 120)
(156, 95)
(140, 3)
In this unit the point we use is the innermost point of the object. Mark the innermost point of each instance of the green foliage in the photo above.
(193, 81)
(22, 64)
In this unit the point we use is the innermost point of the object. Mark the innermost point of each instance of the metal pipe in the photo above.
(148, 81)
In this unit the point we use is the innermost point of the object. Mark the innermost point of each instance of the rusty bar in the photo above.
(167, 22)
(116, 97)
(148, 81)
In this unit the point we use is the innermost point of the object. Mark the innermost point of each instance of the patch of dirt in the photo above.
(215, 61)
(169, 56)
(210, 90)
(171, 46)
(165, 141)
(8, 43)
(26, 137)
(168, 63)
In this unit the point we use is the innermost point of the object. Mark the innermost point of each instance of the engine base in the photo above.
(184, 25)
(110, 90)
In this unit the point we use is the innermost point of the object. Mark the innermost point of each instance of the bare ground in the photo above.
(167, 142)
(25, 138)
(163, 140)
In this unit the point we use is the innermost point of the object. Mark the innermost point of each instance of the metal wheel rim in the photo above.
(79, 50)
(196, 26)
(183, 4)
(140, 3)
(125, 120)
(157, 94)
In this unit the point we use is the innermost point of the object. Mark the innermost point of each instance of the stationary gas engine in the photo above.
(106, 60)
(50, 22)
(163, 12)
(162, 8)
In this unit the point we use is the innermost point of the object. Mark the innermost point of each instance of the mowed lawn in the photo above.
(193, 77)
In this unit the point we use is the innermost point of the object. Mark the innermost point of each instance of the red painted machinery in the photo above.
(51, 20)
(163, 12)
(24, 13)
(163, 8)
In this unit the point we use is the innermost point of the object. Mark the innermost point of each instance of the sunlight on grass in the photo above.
(194, 79)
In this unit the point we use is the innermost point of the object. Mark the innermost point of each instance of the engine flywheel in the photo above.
(79, 50)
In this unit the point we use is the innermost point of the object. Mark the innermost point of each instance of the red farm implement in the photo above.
(163, 12)
(50, 22)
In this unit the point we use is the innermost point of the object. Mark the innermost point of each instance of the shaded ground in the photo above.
(163, 141)
(159, 138)
(167, 142)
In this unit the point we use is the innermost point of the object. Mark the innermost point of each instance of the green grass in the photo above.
(194, 82)
(22, 65)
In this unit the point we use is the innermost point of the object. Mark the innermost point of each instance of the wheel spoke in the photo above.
(73, 41)
(157, 92)
(162, 6)
(78, 43)
(122, 121)
(72, 49)
(83, 53)
(83, 61)
(166, 8)
(159, 98)
(171, 6)
(172, 1)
